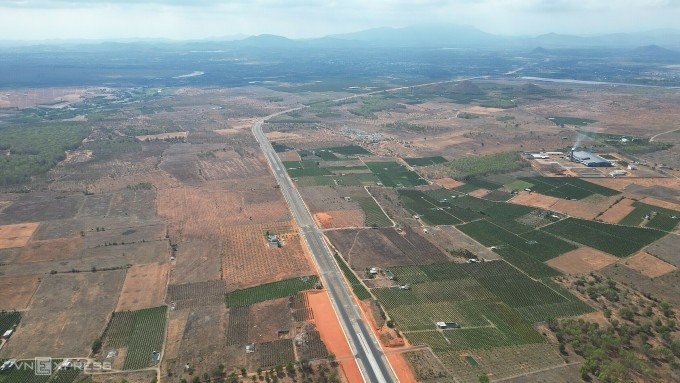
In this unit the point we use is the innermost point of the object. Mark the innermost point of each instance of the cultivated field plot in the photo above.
(218, 165)
(249, 259)
(425, 161)
(649, 265)
(393, 174)
(9, 320)
(616, 240)
(527, 251)
(238, 326)
(51, 249)
(452, 292)
(502, 362)
(202, 214)
(652, 216)
(134, 205)
(37, 207)
(667, 249)
(581, 260)
(181, 162)
(196, 294)
(618, 211)
(95, 205)
(197, 261)
(268, 291)
(16, 235)
(271, 354)
(665, 287)
(309, 345)
(340, 219)
(144, 287)
(122, 255)
(270, 320)
(16, 291)
(68, 312)
(27, 374)
(139, 333)
(569, 188)
(327, 198)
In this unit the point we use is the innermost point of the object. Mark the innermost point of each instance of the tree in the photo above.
(483, 378)
(96, 345)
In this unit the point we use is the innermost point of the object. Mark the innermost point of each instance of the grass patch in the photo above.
(268, 291)
(359, 289)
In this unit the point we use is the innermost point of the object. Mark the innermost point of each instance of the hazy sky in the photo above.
(191, 19)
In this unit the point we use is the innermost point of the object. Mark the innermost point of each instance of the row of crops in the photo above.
(374, 215)
(25, 372)
(567, 187)
(268, 291)
(393, 174)
(141, 332)
(359, 289)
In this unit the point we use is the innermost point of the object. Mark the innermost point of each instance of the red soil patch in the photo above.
(341, 219)
(144, 287)
(618, 212)
(649, 265)
(16, 292)
(448, 183)
(581, 260)
(660, 203)
(332, 335)
(479, 193)
(401, 368)
(534, 199)
(51, 249)
(16, 235)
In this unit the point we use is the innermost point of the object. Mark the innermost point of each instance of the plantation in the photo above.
(142, 332)
(35, 149)
(561, 187)
(8, 320)
(374, 214)
(577, 121)
(660, 218)
(477, 166)
(268, 291)
(359, 289)
(24, 373)
(425, 161)
(304, 168)
(619, 241)
(392, 174)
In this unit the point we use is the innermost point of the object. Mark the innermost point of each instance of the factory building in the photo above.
(590, 159)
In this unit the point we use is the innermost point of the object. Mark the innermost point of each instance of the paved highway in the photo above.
(369, 356)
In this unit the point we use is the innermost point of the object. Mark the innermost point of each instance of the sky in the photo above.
(199, 19)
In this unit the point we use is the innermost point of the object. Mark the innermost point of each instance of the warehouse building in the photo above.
(590, 159)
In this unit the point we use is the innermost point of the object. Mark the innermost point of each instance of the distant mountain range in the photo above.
(659, 42)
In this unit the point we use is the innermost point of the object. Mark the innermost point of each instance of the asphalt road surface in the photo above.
(367, 351)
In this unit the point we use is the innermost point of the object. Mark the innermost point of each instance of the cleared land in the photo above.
(16, 235)
(51, 249)
(144, 287)
(16, 291)
(581, 260)
(649, 265)
(667, 249)
(617, 212)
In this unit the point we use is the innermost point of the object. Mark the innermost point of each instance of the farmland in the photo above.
(8, 320)
(569, 188)
(576, 121)
(425, 161)
(479, 166)
(140, 332)
(268, 291)
(659, 218)
(616, 240)
(359, 289)
(392, 174)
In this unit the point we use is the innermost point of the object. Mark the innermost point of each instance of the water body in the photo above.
(584, 82)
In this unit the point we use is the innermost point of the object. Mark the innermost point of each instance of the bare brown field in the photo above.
(130, 377)
(479, 193)
(338, 219)
(290, 155)
(177, 321)
(621, 184)
(660, 203)
(648, 265)
(270, 316)
(162, 136)
(248, 259)
(41, 206)
(364, 248)
(158, 178)
(667, 249)
(69, 311)
(535, 200)
(325, 198)
(201, 214)
(144, 287)
(617, 212)
(197, 261)
(483, 110)
(16, 291)
(581, 260)
(449, 238)
(587, 208)
(16, 235)
(51, 249)
(448, 183)
(230, 164)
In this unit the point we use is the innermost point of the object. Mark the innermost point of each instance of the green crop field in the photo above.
(356, 179)
(425, 161)
(326, 155)
(616, 240)
(374, 214)
(268, 291)
(479, 166)
(359, 289)
(8, 320)
(662, 219)
(142, 332)
(392, 174)
(566, 187)
(24, 372)
(304, 168)
(482, 298)
(559, 120)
